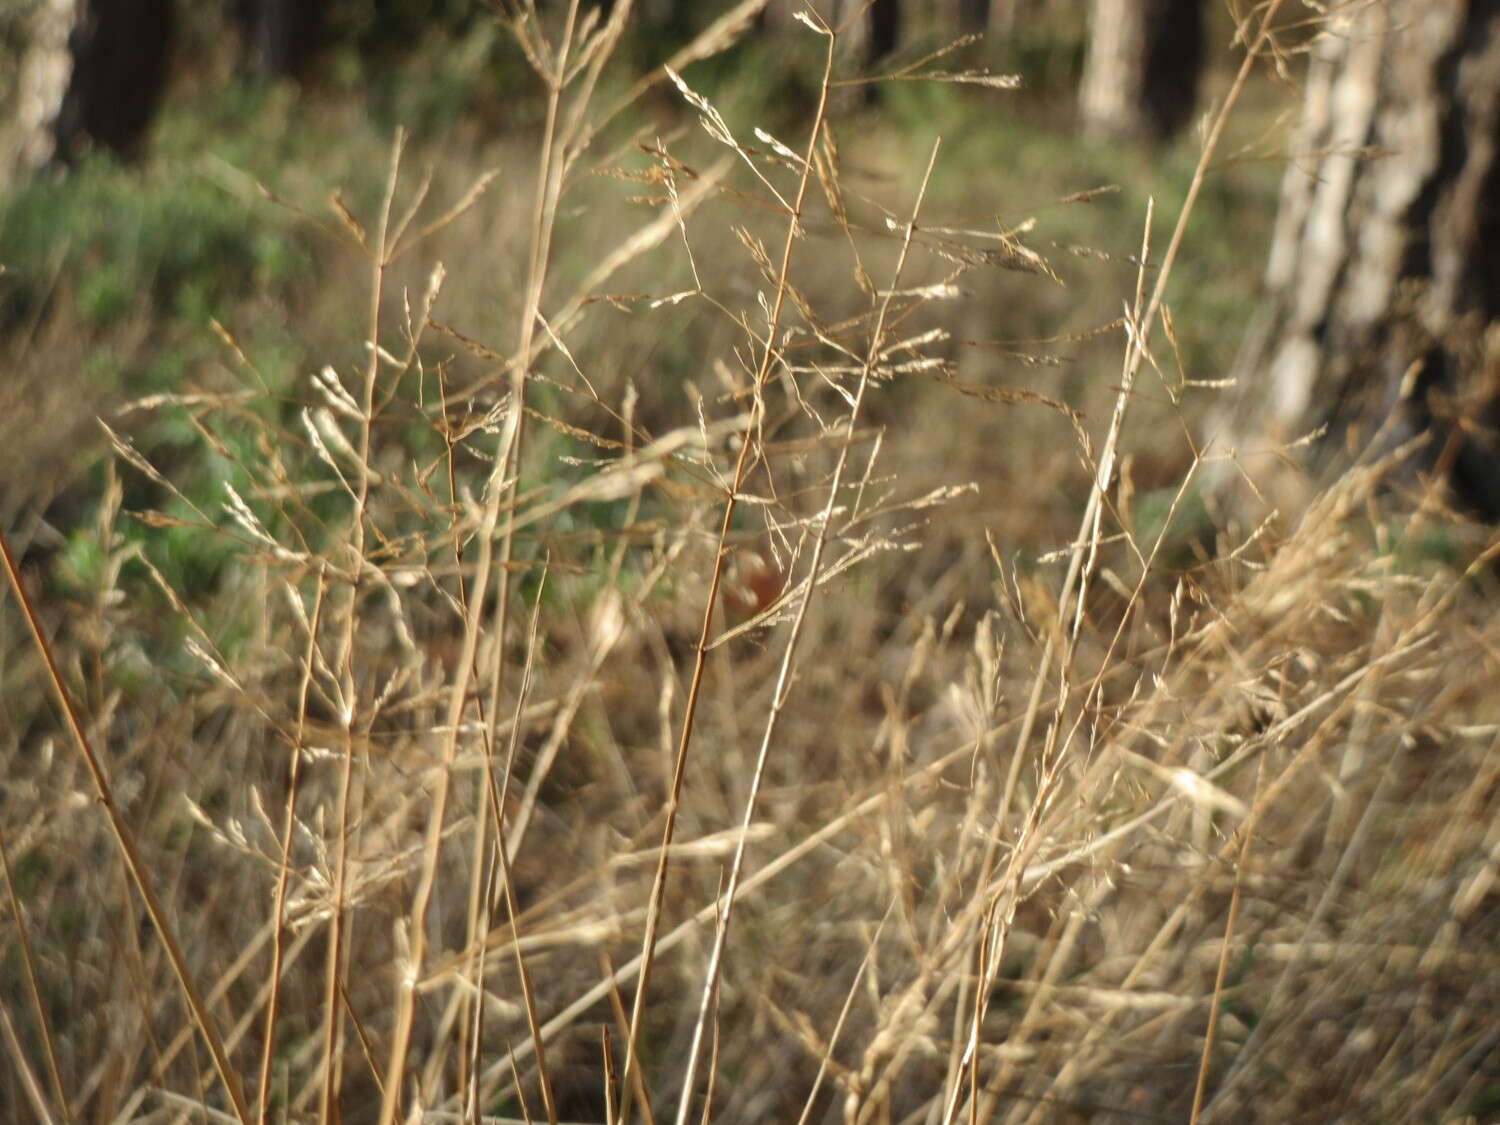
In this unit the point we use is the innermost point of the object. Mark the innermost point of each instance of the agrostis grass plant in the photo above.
(560, 748)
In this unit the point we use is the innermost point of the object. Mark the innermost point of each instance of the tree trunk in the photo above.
(1007, 15)
(30, 139)
(120, 50)
(885, 28)
(93, 73)
(973, 16)
(883, 36)
(1141, 75)
(1383, 302)
(281, 37)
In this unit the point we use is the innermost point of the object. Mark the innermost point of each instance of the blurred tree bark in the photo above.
(92, 72)
(973, 16)
(281, 37)
(1140, 78)
(1383, 284)
(885, 28)
(1007, 15)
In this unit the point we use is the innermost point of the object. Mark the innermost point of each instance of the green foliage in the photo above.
(1048, 55)
(447, 81)
(1172, 523)
(992, 143)
(28, 873)
(1485, 1103)
(391, 25)
(126, 240)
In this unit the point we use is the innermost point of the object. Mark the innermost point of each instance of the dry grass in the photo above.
(608, 754)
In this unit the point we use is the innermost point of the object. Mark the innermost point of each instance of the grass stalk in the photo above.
(501, 489)
(378, 252)
(283, 874)
(700, 658)
(782, 691)
(34, 993)
(129, 854)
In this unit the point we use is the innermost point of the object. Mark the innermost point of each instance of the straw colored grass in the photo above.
(557, 748)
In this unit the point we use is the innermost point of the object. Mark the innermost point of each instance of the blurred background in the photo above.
(140, 134)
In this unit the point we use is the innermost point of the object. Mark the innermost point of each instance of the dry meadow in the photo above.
(737, 619)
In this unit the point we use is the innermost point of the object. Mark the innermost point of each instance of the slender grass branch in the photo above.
(768, 354)
(125, 841)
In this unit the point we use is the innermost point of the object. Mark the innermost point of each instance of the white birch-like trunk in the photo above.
(1383, 282)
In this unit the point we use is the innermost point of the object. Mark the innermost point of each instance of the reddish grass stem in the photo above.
(700, 658)
(129, 853)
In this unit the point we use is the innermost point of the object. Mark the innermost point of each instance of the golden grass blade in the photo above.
(126, 843)
(653, 908)
(38, 1012)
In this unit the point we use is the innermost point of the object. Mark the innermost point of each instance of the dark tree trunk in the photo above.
(1007, 15)
(1384, 278)
(884, 36)
(120, 50)
(281, 37)
(93, 73)
(885, 28)
(1144, 61)
(973, 16)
